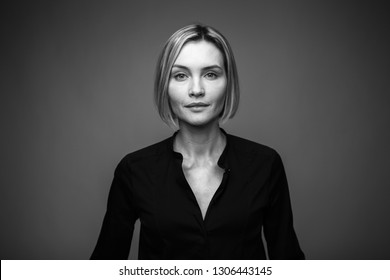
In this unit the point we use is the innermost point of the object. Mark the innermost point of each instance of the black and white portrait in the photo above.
(280, 108)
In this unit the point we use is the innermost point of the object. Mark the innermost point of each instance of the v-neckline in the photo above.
(221, 162)
(216, 193)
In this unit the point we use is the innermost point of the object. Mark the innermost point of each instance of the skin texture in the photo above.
(197, 76)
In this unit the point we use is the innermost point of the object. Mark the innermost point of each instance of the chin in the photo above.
(203, 122)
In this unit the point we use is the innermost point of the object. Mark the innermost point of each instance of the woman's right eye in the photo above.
(180, 76)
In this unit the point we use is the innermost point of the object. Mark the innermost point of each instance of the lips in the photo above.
(196, 104)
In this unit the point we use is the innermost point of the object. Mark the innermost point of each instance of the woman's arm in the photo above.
(279, 232)
(115, 237)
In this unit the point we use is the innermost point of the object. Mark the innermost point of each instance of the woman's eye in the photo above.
(180, 77)
(211, 76)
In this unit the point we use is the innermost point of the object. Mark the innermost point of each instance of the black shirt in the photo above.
(150, 185)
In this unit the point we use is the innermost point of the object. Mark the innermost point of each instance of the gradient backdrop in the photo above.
(76, 96)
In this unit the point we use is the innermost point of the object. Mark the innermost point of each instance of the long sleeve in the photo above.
(115, 237)
(149, 184)
(279, 232)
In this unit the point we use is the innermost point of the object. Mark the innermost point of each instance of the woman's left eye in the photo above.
(211, 75)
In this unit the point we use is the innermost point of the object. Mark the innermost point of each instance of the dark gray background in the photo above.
(76, 96)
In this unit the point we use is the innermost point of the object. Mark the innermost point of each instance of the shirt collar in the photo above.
(223, 159)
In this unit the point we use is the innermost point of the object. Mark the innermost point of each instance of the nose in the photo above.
(196, 89)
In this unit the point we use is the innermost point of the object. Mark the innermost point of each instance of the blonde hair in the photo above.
(171, 50)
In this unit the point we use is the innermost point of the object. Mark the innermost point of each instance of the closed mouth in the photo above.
(196, 104)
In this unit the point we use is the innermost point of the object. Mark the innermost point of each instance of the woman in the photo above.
(202, 193)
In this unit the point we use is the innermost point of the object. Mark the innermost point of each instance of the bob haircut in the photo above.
(171, 50)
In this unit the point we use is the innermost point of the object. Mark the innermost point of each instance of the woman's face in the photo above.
(197, 84)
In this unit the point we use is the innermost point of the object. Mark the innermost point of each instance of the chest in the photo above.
(172, 200)
(204, 182)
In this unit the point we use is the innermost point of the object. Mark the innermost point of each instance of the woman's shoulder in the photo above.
(247, 146)
(257, 154)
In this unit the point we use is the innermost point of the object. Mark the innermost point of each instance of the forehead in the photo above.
(199, 54)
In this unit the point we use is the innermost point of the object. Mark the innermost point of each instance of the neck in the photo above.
(200, 142)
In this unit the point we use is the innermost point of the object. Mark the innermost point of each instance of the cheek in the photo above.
(174, 91)
(174, 99)
(221, 98)
(177, 93)
(222, 92)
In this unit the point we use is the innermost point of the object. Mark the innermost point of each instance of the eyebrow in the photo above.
(204, 68)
